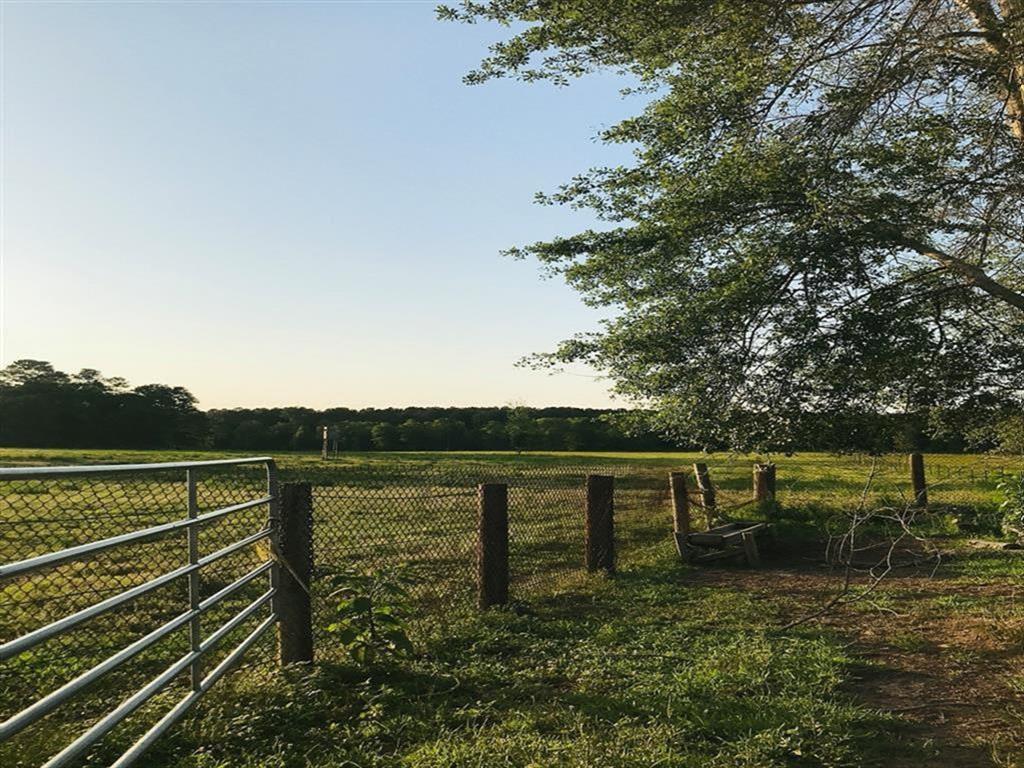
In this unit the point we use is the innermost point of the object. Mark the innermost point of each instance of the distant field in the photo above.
(804, 479)
(415, 510)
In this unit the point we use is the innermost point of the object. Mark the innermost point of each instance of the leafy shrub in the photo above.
(983, 521)
(371, 613)
(1010, 435)
(1012, 508)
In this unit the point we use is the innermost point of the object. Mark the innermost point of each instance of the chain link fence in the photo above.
(956, 483)
(420, 518)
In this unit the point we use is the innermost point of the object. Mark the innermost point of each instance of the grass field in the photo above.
(804, 479)
(661, 665)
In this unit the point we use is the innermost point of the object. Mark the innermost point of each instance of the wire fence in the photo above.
(964, 486)
(420, 518)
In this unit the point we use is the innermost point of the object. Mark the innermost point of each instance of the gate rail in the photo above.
(199, 647)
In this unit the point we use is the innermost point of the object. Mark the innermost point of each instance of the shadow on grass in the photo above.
(643, 668)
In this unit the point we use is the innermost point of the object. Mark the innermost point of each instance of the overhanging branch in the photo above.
(972, 274)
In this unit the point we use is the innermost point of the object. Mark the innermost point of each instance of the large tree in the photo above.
(825, 210)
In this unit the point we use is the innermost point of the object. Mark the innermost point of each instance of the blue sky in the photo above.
(287, 203)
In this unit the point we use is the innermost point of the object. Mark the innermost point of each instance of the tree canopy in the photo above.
(43, 407)
(47, 408)
(824, 213)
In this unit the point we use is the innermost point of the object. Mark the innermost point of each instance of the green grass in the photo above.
(804, 479)
(638, 670)
(616, 672)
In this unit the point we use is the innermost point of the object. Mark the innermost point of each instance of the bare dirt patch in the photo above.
(941, 654)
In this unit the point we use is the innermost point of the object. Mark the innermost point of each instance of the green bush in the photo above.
(1012, 508)
(371, 613)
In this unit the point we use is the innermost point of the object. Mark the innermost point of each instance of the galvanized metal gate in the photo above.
(25, 577)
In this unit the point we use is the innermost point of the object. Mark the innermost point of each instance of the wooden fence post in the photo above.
(680, 512)
(492, 545)
(707, 492)
(600, 521)
(295, 553)
(918, 481)
(764, 485)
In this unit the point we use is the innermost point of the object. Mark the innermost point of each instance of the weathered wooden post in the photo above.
(295, 556)
(764, 486)
(918, 481)
(600, 522)
(492, 545)
(707, 492)
(680, 512)
(323, 445)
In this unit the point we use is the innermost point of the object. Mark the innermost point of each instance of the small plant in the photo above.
(371, 613)
(1012, 508)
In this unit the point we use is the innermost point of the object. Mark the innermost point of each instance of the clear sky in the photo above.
(287, 203)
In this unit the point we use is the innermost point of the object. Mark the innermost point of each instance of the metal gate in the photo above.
(72, 508)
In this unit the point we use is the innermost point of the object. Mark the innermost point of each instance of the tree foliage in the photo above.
(43, 407)
(824, 213)
(46, 408)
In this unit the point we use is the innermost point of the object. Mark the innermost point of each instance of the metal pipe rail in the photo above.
(200, 647)
(49, 472)
(93, 547)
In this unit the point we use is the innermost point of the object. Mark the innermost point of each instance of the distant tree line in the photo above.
(431, 429)
(43, 407)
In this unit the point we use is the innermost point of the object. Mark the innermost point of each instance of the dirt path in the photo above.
(942, 654)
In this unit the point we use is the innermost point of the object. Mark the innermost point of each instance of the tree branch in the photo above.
(972, 274)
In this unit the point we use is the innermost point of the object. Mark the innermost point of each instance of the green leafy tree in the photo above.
(386, 437)
(825, 213)
(22, 372)
(416, 435)
(42, 406)
(162, 415)
(492, 436)
(1010, 434)
(354, 435)
(520, 428)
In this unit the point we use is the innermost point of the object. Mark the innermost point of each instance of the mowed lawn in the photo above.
(662, 664)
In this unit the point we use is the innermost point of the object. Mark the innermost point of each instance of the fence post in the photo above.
(680, 512)
(918, 481)
(764, 485)
(600, 532)
(295, 552)
(707, 492)
(492, 545)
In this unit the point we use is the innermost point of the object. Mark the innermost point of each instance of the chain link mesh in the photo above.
(956, 483)
(420, 517)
